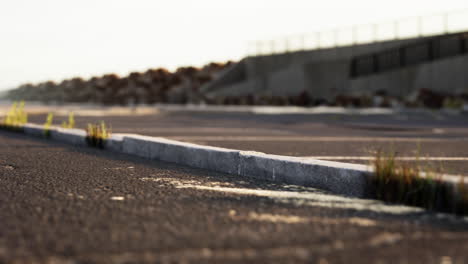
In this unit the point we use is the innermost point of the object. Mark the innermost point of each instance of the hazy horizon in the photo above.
(54, 40)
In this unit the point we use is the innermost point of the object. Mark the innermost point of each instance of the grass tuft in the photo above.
(96, 134)
(48, 124)
(16, 117)
(71, 121)
(398, 182)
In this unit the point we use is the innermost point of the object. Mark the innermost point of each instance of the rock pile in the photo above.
(152, 86)
(183, 86)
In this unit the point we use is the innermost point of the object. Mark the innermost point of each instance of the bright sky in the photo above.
(57, 39)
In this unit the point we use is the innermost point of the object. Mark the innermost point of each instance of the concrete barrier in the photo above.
(115, 143)
(205, 157)
(340, 178)
(34, 130)
(66, 135)
(137, 145)
(69, 135)
(336, 177)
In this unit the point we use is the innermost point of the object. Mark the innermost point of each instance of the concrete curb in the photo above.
(115, 143)
(71, 136)
(336, 177)
(34, 130)
(205, 157)
(339, 178)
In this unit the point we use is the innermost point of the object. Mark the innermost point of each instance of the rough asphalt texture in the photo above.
(413, 134)
(62, 204)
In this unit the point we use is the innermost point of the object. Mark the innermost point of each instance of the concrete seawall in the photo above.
(325, 73)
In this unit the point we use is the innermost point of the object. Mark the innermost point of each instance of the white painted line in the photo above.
(397, 158)
(293, 195)
(266, 110)
(205, 130)
(314, 139)
(294, 219)
(312, 199)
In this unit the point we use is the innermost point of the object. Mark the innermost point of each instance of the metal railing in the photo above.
(411, 54)
(436, 24)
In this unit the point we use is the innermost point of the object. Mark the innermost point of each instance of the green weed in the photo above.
(96, 134)
(71, 121)
(16, 117)
(48, 124)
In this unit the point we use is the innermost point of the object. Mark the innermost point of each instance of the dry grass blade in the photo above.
(398, 182)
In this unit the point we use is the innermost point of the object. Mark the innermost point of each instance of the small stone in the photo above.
(8, 167)
(385, 238)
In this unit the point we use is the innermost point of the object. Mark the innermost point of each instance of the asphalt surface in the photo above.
(339, 137)
(63, 204)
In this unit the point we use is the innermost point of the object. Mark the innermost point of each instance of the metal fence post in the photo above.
(375, 32)
(446, 22)
(335, 38)
(303, 42)
(396, 29)
(355, 34)
(318, 36)
(420, 26)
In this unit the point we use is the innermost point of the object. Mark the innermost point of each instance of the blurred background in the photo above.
(306, 53)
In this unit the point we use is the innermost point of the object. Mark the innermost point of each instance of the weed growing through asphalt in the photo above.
(96, 134)
(48, 124)
(16, 117)
(399, 182)
(71, 121)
